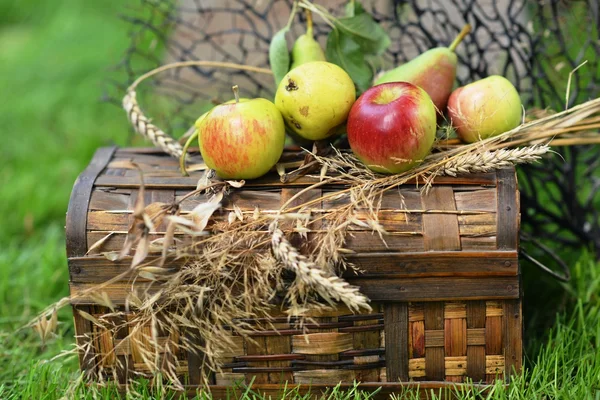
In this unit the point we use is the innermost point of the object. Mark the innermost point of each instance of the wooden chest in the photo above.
(445, 285)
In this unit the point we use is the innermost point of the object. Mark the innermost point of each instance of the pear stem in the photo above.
(236, 93)
(465, 31)
(309, 22)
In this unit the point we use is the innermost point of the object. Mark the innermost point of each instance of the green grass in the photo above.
(54, 57)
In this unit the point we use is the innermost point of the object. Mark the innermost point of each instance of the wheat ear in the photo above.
(146, 128)
(490, 160)
(330, 287)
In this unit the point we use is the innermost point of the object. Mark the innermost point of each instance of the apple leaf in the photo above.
(371, 37)
(279, 55)
(356, 44)
(354, 8)
(344, 51)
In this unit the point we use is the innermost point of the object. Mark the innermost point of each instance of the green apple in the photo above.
(242, 139)
(485, 108)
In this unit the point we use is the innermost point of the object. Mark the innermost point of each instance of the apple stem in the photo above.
(309, 22)
(465, 31)
(236, 93)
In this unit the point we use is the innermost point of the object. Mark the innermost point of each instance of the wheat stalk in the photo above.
(329, 286)
(490, 160)
(146, 128)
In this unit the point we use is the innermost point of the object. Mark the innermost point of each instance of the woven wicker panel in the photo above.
(443, 341)
(335, 347)
(454, 340)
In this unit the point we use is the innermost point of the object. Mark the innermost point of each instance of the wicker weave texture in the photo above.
(444, 341)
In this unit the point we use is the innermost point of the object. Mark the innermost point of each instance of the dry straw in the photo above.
(236, 265)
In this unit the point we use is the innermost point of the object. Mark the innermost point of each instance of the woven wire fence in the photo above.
(536, 44)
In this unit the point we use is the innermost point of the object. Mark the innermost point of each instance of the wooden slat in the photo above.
(124, 373)
(229, 378)
(321, 343)
(396, 341)
(455, 337)
(493, 336)
(434, 356)
(324, 376)
(475, 337)
(176, 181)
(279, 345)
(475, 314)
(257, 345)
(434, 338)
(440, 231)
(417, 289)
(392, 221)
(480, 200)
(76, 221)
(437, 289)
(102, 200)
(417, 336)
(455, 340)
(494, 365)
(474, 243)
(367, 242)
(249, 199)
(406, 198)
(513, 341)
(367, 340)
(94, 268)
(416, 312)
(83, 334)
(476, 340)
(195, 359)
(438, 263)
(453, 310)
(493, 340)
(416, 368)
(508, 210)
(494, 308)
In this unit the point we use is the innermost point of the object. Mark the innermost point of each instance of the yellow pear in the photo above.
(315, 98)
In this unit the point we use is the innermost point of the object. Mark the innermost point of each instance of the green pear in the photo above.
(315, 98)
(485, 108)
(306, 48)
(434, 71)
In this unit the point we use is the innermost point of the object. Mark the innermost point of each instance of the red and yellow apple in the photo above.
(242, 139)
(391, 127)
(484, 108)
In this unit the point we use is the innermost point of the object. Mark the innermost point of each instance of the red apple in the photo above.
(391, 127)
(242, 139)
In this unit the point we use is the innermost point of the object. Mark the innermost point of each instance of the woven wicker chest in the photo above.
(445, 284)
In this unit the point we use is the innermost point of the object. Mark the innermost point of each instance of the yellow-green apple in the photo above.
(484, 108)
(315, 98)
(391, 127)
(242, 139)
